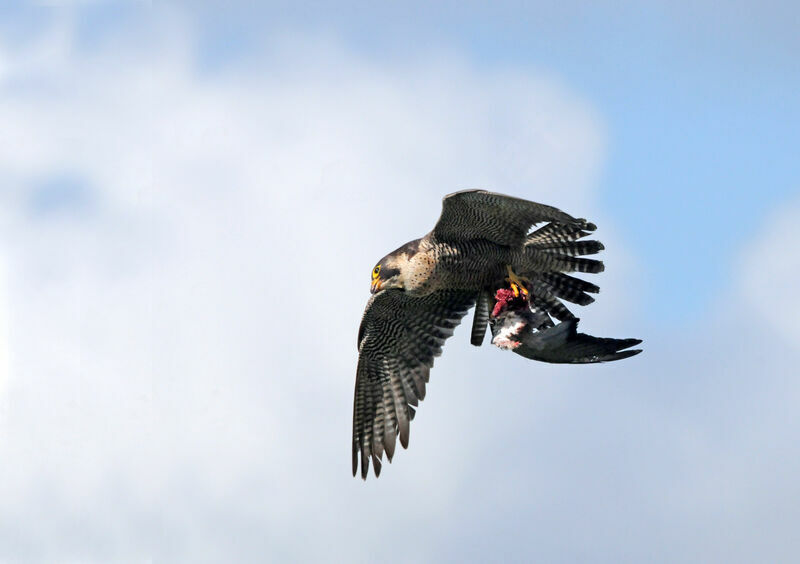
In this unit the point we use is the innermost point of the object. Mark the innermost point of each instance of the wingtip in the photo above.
(627, 343)
(388, 445)
(404, 436)
(623, 354)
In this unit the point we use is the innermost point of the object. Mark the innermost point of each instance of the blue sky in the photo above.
(177, 336)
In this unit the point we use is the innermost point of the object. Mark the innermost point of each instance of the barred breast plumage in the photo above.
(468, 265)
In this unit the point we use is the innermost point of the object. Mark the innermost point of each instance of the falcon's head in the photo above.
(386, 274)
(389, 272)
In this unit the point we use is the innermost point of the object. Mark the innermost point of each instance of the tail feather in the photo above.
(555, 248)
(569, 288)
(540, 262)
(573, 249)
(550, 252)
(544, 299)
(480, 320)
(558, 279)
(560, 233)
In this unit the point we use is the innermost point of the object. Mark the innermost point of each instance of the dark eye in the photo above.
(377, 270)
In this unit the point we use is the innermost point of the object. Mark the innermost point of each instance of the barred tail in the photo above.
(552, 251)
(560, 233)
(480, 320)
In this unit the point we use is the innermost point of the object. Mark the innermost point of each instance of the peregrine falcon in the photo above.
(481, 247)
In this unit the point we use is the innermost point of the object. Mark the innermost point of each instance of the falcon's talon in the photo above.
(518, 283)
(519, 290)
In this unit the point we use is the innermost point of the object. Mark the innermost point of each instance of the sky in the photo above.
(192, 198)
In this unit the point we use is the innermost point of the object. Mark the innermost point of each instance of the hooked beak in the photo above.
(376, 286)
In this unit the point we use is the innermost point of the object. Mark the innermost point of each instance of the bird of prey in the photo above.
(420, 292)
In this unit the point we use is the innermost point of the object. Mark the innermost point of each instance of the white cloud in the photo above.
(770, 270)
(183, 349)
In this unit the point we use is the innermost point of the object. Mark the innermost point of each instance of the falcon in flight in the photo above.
(480, 253)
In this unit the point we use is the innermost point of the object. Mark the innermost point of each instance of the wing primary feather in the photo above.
(389, 439)
(480, 320)
(377, 430)
(390, 422)
(402, 420)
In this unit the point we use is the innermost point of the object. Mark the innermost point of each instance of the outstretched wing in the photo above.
(399, 337)
(477, 214)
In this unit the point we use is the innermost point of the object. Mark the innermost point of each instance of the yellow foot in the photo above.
(517, 282)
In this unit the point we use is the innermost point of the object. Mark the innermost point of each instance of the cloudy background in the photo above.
(191, 200)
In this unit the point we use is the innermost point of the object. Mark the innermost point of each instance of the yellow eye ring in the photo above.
(376, 271)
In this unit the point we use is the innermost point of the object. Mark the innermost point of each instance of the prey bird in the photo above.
(481, 244)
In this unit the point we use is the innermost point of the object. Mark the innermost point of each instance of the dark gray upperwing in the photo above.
(399, 337)
(477, 214)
